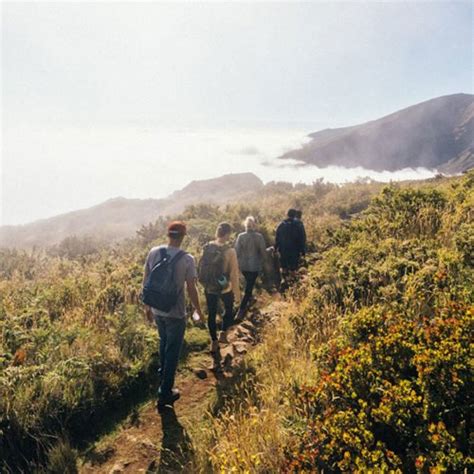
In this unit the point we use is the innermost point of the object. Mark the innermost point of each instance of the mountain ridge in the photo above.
(119, 217)
(434, 134)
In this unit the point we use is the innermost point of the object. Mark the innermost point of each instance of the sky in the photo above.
(72, 69)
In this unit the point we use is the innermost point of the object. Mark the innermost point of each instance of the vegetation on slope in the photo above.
(73, 343)
(383, 283)
(118, 218)
(370, 366)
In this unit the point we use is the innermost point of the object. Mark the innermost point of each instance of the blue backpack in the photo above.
(160, 290)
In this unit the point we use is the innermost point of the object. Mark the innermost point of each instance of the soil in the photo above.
(153, 440)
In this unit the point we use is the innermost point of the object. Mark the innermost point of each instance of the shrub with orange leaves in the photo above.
(396, 381)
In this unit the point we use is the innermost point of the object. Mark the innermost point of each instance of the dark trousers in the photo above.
(171, 331)
(212, 301)
(289, 260)
(250, 279)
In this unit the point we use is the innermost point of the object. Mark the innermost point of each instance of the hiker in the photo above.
(271, 270)
(168, 269)
(298, 218)
(250, 248)
(219, 274)
(290, 244)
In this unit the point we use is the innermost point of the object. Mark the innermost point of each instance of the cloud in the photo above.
(250, 150)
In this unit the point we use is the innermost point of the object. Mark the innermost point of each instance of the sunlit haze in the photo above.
(138, 99)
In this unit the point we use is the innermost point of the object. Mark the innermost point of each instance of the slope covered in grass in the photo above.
(355, 370)
(369, 366)
(74, 348)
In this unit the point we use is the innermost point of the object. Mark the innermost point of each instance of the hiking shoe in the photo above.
(223, 337)
(214, 347)
(169, 399)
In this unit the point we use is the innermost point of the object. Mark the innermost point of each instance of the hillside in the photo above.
(363, 366)
(119, 218)
(436, 134)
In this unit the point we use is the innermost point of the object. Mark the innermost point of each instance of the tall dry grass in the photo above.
(251, 432)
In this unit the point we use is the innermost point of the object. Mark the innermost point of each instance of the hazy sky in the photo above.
(70, 69)
(212, 62)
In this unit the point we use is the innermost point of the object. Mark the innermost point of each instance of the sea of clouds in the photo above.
(47, 171)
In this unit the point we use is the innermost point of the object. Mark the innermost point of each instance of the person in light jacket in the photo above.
(229, 294)
(250, 248)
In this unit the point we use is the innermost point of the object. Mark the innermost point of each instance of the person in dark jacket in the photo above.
(290, 244)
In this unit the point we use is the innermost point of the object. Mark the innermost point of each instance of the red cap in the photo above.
(176, 229)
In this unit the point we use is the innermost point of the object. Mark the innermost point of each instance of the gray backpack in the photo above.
(211, 272)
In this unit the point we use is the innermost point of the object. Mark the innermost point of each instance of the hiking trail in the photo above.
(158, 441)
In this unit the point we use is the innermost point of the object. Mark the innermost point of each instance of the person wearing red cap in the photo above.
(172, 324)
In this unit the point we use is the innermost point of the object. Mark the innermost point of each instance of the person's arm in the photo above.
(262, 247)
(193, 295)
(238, 246)
(191, 279)
(146, 272)
(234, 274)
(278, 238)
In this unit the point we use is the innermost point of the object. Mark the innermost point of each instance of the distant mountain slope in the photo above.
(436, 134)
(119, 218)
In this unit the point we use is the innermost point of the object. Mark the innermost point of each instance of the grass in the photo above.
(73, 345)
(247, 435)
(368, 368)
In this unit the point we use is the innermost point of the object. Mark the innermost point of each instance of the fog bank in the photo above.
(64, 169)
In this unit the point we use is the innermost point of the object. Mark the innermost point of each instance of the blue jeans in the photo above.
(171, 331)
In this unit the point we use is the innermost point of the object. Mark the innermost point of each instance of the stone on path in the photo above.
(117, 468)
(227, 351)
(240, 347)
(227, 354)
(200, 373)
(248, 325)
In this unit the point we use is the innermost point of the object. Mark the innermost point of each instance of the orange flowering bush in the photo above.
(395, 380)
(394, 392)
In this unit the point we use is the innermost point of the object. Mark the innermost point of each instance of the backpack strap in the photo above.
(164, 254)
(177, 257)
(173, 263)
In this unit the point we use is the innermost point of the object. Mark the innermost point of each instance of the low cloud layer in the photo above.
(76, 168)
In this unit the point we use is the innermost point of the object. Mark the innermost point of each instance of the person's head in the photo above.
(176, 233)
(223, 231)
(299, 214)
(250, 223)
(291, 214)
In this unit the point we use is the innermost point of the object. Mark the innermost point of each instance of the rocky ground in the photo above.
(158, 441)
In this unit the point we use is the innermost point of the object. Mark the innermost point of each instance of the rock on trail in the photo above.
(158, 441)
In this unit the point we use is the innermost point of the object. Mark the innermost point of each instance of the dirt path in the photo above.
(150, 441)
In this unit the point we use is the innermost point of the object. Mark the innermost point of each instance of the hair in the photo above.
(223, 229)
(250, 223)
(299, 214)
(291, 213)
(177, 230)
